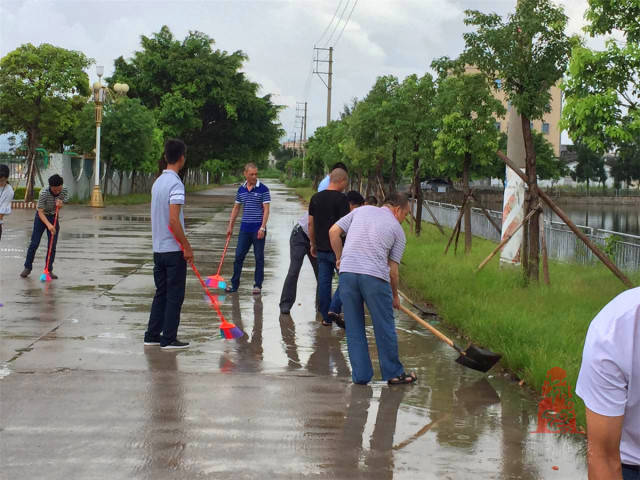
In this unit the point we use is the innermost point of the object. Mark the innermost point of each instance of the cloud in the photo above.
(396, 37)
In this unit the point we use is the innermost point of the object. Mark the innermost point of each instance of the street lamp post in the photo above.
(99, 97)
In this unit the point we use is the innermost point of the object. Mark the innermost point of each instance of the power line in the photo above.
(345, 23)
(346, 5)
(329, 25)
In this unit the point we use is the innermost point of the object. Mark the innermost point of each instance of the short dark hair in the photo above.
(174, 148)
(55, 180)
(4, 171)
(372, 200)
(339, 165)
(397, 200)
(354, 198)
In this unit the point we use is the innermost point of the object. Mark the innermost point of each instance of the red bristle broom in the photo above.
(227, 329)
(46, 275)
(216, 281)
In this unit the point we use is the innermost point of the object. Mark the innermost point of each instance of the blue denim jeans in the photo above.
(170, 276)
(245, 240)
(326, 267)
(336, 302)
(630, 472)
(355, 290)
(38, 229)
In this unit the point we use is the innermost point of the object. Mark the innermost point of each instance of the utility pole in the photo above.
(328, 73)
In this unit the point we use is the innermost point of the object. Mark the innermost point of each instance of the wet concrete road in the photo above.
(80, 397)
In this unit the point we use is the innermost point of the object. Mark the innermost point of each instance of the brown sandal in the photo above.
(403, 379)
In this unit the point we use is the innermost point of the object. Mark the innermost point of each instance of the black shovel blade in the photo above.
(478, 358)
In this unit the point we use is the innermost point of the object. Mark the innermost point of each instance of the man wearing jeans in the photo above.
(368, 266)
(171, 251)
(255, 198)
(50, 199)
(326, 208)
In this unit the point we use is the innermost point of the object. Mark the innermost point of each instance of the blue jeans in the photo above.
(326, 266)
(336, 302)
(630, 472)
(355, 290)
(38, 229)
(170, 276)
(245, 240)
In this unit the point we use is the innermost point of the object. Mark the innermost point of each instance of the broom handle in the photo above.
(214, 302)
(226, 244)
(55, 221)
(437, 333)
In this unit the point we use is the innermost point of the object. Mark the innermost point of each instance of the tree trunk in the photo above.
(392, 178)
(107, 174)
(534, 224)
(467, 206)
(120, 183)
(417, 191)
(133, 181)
(32, 144)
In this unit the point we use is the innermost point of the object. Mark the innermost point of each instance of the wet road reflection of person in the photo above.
(248, 351)
(164, 435)
(288, 331)
(327, 356)
(378, 459)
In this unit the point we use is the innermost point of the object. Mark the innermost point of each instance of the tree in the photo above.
(375, 127)
(200, 95)
(468, 139)
(548, 166)
(37, 86)
(418, 129)
(590, 166)
(130, 140)
(602, 88)
(283, 155)
(528, 52)
(625, 166)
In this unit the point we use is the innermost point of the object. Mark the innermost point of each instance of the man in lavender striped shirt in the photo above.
(368, 266)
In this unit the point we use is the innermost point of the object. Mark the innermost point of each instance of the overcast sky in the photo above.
(382, 37)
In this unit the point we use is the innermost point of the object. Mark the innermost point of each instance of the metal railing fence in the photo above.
(562, 243)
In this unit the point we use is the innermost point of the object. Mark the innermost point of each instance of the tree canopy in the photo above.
(200, 95)
(40, 89)
(602, 88)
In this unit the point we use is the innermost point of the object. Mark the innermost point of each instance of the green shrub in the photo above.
(19, 193)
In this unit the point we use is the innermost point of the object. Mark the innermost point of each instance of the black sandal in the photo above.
(404, 379)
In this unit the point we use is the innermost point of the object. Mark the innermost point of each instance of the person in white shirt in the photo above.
(6, 195)
(609, 384)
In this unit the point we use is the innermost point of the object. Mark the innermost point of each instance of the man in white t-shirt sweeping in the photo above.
(609, 384)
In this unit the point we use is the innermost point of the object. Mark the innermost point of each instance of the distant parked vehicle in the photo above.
(438, 185)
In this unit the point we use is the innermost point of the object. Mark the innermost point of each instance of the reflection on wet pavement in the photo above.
(82, 398)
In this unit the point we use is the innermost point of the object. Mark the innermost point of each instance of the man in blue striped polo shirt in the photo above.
(255, 198)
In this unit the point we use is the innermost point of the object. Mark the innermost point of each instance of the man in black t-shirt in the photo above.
(325, 209)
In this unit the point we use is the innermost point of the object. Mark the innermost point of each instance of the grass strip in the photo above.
(535, 328)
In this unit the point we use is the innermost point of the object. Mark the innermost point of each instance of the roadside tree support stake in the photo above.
(596, 251)
(507, 238)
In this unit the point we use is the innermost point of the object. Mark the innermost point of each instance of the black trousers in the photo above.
(299, 247)
(170, 276)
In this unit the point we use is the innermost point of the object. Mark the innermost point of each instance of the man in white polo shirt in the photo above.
(169, 257)
(368, 266)
(609, 384)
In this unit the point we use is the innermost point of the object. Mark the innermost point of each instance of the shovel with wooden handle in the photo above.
(473, 357)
